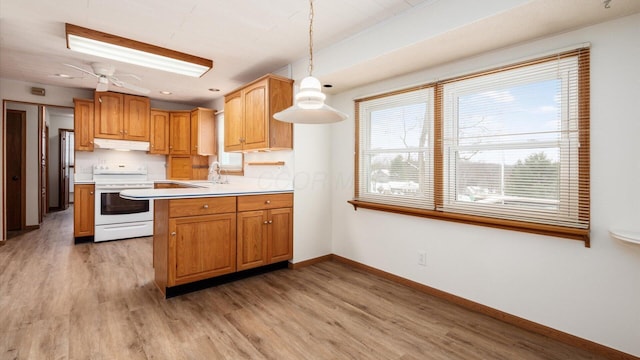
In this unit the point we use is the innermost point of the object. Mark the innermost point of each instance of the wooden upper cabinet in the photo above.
(135, 121)
(108, 115)
(180, 133)
(233, 124)
(120, 116)
(83, 113)
(203, 132)
(256, 117)
(159, 132)
(249, 122)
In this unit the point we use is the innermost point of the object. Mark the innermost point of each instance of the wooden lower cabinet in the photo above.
(200, 238)
(83, 210)
(204, 246)
(265, 230)
(264, 237)
(252, 239)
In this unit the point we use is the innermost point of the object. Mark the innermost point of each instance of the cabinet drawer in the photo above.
(202, 206)
(260, 202)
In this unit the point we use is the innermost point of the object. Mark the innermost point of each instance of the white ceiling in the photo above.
(248, 38)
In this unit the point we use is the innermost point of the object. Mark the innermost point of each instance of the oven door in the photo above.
(112, 209)
(118, 218)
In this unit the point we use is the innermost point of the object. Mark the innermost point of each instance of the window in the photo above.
(230, 163)
(506, 148)
(395, 160)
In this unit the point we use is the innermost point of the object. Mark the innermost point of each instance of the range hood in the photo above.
(124, 145)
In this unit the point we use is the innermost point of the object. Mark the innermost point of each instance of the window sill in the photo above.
(549, 230)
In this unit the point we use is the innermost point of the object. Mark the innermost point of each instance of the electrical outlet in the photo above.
(422, 258)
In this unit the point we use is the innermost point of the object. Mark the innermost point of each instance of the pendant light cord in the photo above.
(310, 37)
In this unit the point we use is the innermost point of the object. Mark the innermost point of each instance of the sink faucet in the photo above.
(214, 172)
(215, 175)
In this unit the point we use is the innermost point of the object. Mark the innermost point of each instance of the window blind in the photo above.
(515, 142)
(394, 141)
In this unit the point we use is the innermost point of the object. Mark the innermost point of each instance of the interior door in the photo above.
(15, 168)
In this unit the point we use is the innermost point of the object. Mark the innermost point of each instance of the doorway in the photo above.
(15, 174)
(66, 165)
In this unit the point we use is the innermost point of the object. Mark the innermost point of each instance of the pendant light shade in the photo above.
(309, 106)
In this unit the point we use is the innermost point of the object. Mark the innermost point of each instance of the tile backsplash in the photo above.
(156, 164)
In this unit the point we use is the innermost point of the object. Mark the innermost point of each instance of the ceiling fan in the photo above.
(105, 74)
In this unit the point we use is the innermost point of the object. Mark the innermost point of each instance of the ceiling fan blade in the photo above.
(126, 85)
(83, 70)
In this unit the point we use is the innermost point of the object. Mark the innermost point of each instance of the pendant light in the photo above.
(309, 106)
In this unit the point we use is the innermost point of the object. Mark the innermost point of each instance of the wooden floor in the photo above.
(97, 301)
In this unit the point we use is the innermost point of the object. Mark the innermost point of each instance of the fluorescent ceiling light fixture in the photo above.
(113, 47)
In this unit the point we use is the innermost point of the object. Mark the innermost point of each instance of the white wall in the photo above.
(21, 91)
(593, 293)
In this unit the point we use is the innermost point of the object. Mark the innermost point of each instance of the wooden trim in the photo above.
(23, 172)
(522, 323)
(541, 229)
(3, 236)
(133, 44)
(31, 227)
(356, 153)
(265, 163)
(309, 262)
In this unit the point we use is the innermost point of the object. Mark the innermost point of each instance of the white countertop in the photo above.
(203, 188)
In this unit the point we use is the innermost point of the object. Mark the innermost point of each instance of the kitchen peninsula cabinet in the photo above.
(205, 237)
(159, 132)
(248, 122)
(265, 230)
(83, 112)
(121, 116)
(83, 210)
(194, 239)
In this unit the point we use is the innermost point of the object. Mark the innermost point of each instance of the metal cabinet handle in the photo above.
(266, 222)
(173, 233)
(91, 193)
(268, 202)
(270, 221)
(205, 206)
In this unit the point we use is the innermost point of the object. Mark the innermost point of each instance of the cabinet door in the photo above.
(83, 210)
(252, 239)
(179, 167)
(83, 124)
(159, 132)
(203, 247)
(280, 98)
(108, 115)
(280, 235)
(203, 134)
(233, 122)
(180, 133)
(256, 131)
(136, 118)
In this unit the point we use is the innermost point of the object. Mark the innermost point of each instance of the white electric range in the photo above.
(115, 217)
